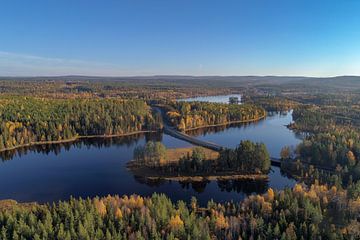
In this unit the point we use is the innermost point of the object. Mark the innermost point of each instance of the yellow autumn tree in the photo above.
(266, 208)
(176, 223)
(100, 207)
(298, 188)
(270, 195)
(182, 125)
(118, 214)
(221, 222)
(351, 158)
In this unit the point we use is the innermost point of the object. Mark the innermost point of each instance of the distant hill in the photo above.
(327, 83)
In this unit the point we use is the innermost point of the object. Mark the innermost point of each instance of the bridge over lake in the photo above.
(213, 146)
(183, 136)
(172, 131)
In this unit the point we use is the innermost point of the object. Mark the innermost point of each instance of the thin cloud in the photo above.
(14, 64)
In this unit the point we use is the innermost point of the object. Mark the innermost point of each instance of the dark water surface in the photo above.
(93, 167)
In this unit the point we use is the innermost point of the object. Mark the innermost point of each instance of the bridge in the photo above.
(212, 146)
(183, 136)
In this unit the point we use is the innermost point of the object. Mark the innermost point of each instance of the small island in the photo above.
(247, 161)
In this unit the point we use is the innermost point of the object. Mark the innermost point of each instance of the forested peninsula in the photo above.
(29, 121)
(191, 115)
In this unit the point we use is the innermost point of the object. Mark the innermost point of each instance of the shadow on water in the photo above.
(218, 129)
(244, 126)
(238, 186)
(96, 142)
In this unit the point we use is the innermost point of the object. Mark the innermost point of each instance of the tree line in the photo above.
(314, 212)
(187, 115)
(26, 120)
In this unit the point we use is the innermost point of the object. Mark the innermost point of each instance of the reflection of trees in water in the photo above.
(208, 130)
(239, 186)
(243, 186)
(155, 137)
(198, 186)
(286, 172)
(150, 182)
(97, 142)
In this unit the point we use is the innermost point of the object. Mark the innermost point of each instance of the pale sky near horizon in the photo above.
(179, 37)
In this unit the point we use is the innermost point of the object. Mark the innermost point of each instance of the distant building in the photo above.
(234, 100)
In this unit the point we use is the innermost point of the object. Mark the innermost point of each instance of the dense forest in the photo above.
(271, 103)
(26, 120)
(188, 115)
(314, 212)
(311, 120)
(330, 150)
(246, 158)
(329, 142)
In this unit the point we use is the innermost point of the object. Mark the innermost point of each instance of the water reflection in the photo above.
(246, 186)
(97, 142)
(97, 167)
(272, 131)
(217, 129)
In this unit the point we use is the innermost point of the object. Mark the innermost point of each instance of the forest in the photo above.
(325, 203)
(331, 142)
(317, 211)
(271, 103)
(28, 120)
(189, 115)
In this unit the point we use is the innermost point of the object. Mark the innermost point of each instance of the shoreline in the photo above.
(225, 124)
(254, 177)
(122, 135)
(154, 174)
(75, 139)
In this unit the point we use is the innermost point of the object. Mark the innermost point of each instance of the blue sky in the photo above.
(191, 37)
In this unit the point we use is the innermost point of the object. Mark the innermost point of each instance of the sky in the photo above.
(179, 37)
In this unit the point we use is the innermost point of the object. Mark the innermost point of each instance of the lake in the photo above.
(272, 131)
(97, 167)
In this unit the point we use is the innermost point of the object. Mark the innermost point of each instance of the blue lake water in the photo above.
(97, 167)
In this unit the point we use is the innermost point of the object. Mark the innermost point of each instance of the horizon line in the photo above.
(169, 75)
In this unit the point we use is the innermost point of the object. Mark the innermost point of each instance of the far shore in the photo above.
(254, 177)
(122, 134)
(76, 138)
(226, 123)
